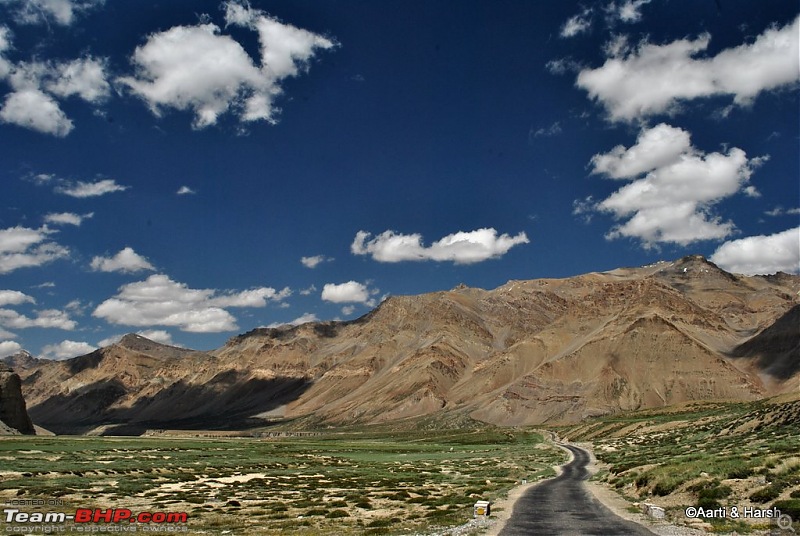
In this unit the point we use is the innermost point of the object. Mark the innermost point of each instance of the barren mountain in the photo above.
(21, 361)
(548, 350)
(14, 417)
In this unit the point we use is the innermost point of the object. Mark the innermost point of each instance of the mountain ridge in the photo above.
(527, 352)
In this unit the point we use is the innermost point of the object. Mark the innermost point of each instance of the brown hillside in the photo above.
(548, 350)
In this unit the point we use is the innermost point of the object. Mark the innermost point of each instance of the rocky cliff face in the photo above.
(13, 412)
(528, 352)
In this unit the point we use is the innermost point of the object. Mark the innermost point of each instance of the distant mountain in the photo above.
(528, 352)
(22, 360)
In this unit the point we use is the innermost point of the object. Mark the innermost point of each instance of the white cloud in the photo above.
(460, 248)
(157, 335)
(313, 262)
(21, 247)
(672, 201)
(627, 11)
(66, 350)
(547, 132)
(656, 147)
(347, 310)
(126, 261)
(8, 348)
(14, 297)
(185, 190)
(83, 189)
(308, 291)
(67, 218)
(751, 191)
(196, 68)
(252, 298)
(47, 318)
(577, 24)
(31, 108)
(761, 254)
(84, 77)
(350, 292)
(302, 319)
(108, 341)
(62, 12)
(35, 86)
(780, 211)
(158, 300)
(7, 334)
(653, 79)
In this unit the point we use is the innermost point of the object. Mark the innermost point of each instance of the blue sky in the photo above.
(193, 170)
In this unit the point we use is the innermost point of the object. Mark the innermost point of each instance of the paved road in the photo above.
(563, 505)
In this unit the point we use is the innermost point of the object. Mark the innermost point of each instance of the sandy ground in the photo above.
(501, 510)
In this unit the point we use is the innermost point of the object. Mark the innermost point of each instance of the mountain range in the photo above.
(527, 352)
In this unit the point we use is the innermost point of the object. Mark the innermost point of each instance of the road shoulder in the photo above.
(621, 507)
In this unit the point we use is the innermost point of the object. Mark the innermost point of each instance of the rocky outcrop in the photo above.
(13, 412)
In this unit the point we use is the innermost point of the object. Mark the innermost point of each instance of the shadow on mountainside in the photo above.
(777, 348)
(227, 402)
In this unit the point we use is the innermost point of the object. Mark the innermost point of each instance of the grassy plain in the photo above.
(358, 482)
(704, 454)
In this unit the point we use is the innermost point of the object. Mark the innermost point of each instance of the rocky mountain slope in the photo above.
(14, 417)
(548, 350)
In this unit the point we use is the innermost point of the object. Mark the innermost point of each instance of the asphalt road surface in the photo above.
(563, 505)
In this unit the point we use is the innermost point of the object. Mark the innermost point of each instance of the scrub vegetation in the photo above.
(707, 454)
(358, 482)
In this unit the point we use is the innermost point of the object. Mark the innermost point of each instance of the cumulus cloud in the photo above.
(126, 261)
(761, 254)
(157, 335)
(350, 292)
(651, 79)
(66, 350)
(199, 69)
(83, 189)
(37, 85)
(460, 248)
(8, 348)
(185, 190)
(659, 146)
(83, 77)
(313, 262)
(32, 109)
(67, 218)
(47, 318)
(159, 300)
(673, 187)
(61, 12)
(21, 247)
(14, 297)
